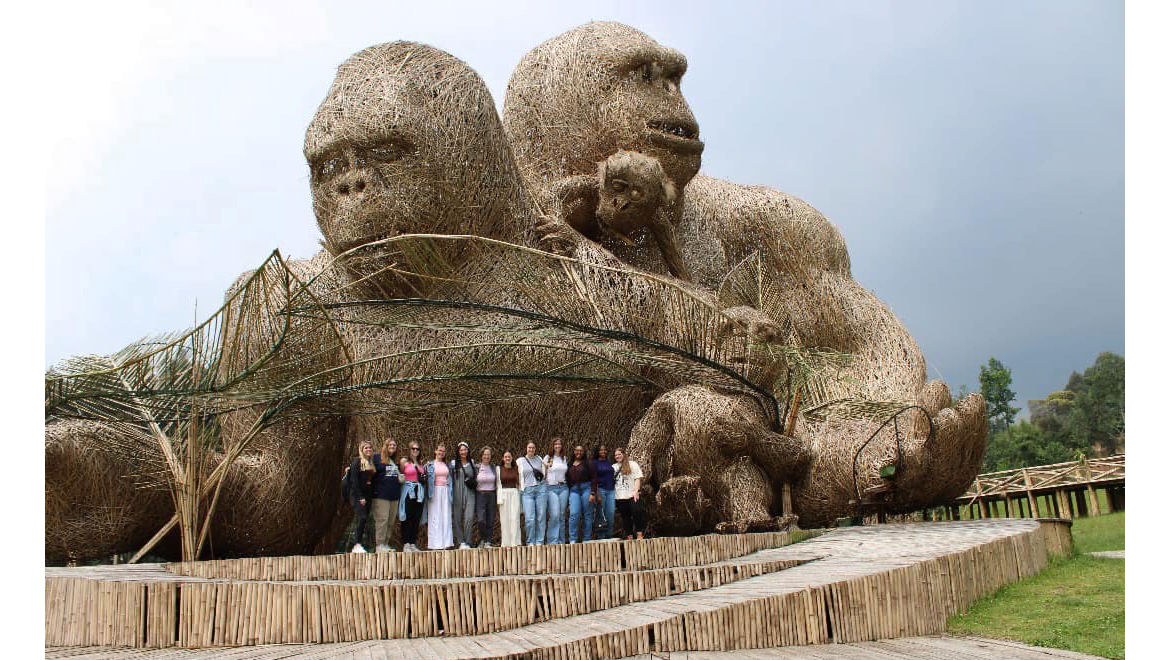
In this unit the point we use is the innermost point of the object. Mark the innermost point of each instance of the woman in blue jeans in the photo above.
(582, 482)
(557, 465)
(603, 470)
(532, 495)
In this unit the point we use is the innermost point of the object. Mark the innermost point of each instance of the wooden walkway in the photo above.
(849, 585)
(910, 648)
(1070, 488)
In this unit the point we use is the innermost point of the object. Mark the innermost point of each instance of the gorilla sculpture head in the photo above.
(594, 90)
(408, 141)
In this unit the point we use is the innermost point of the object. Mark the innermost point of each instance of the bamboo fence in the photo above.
(844, 599)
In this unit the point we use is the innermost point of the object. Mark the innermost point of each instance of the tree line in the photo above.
(1086, 418)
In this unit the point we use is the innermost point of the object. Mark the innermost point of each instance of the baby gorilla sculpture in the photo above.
(630, 192)
(602, 87)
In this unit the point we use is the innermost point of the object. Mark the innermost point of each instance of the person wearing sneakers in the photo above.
(437, 476)
(386, 492)
(463, 488)
(508, 500)
(486, 480)
(412, 502)
(532, 495)
(361, 491)
(627, 482)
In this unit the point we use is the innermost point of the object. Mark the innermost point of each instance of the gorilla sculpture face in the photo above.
(631, 189)
(407, 141)
(594, 90)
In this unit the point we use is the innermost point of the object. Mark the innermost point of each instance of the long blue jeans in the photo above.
(606, 503)
(535, 506)
(558, 501)
(578, 503)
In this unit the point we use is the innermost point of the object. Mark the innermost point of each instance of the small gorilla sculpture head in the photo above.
(633, 187)
(408, 141)
(594, 90)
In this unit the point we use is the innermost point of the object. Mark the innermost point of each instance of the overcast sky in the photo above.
(970, 152)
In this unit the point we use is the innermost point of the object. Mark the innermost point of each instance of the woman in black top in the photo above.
(582, 480)
(361, 491)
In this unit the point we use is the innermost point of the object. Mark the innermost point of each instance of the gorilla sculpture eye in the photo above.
(647, 71)
(618, 185)
(330, 167)
(388, 152)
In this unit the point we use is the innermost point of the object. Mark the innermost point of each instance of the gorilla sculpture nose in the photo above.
(350, 185)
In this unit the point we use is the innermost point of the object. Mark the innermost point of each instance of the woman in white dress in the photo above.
(508, 499)
(438, 474)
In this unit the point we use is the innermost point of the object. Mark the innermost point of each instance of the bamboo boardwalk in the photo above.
(848, 585)
(909, 648)
(1071, 489)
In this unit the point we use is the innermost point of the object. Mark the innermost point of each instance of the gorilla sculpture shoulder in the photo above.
(602, 87)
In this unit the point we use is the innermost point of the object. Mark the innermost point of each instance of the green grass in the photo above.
(1077, 604)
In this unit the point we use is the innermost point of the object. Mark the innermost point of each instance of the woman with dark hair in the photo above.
(557, 491)
(532, 471)
(386, 493)
(361, 491)
(508, 499)
(582, 481)
(438, 481)
(463, 488)
(412, 504)
(487, 481)
(627, 483)
(605, 483)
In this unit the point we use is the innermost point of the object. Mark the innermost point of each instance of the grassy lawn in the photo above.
(1077, 604)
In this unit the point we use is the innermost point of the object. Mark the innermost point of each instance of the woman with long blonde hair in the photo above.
(387, 489)
(361, 490)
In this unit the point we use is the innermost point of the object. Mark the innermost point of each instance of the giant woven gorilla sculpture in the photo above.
(581, 96)
(408, 141)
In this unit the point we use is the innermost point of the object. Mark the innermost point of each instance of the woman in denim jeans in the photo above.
(603, 470)
(556, 465)
(582, 482)
(532, 497)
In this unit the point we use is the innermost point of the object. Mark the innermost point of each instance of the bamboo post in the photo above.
(1031, 496)
(1094, 506)
(979, 497)
(1063, 503)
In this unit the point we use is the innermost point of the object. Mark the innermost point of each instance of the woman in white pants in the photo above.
(438, 476)
(508, 500)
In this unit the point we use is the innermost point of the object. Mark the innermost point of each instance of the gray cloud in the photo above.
(971, 153)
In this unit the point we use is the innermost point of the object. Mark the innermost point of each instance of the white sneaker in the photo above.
(358, 549)
(464, 546)
(383, 549)
(409, 547)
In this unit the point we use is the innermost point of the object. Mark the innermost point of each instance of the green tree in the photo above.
(1096, 420)
(995, 382)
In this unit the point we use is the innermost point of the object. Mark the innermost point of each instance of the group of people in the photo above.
(456, 495)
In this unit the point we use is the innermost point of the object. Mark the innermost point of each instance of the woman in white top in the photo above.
(627, 481)
(532, 471)
(556, 491)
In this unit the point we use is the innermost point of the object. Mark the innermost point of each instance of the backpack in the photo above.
(345, 485)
